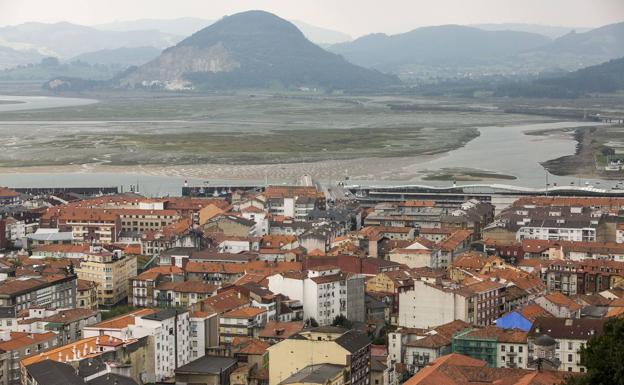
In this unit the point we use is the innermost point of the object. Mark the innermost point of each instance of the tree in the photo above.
(342, 321)
(604, 357)
(311, 322)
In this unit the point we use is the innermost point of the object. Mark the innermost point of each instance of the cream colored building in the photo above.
(323, 345)
(110, 272)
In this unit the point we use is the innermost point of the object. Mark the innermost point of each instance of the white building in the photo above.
(429, 305)
(259, 216)
(416, 255)
(169, 332)
(570, 336)
(325, 291)
(203, 333)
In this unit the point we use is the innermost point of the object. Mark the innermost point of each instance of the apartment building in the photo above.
(168, 332)
(325, 291)
(556, 223)
(110, 271)
(95, 225)
(15, 346)
(182, 294)
(322, 345)
(570, 335)
(293, 201)
(9, 197)
(144, 219)
(52, 291)
(581, 277)
(559, 305)
(143, 285)
(67, 324)
(416, 348)
(203, 332)
(178, 234)
(431, 304)
(500, 348)
(243, 322)
(86, 295)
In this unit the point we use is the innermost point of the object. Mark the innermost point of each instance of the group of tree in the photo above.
(603, 356)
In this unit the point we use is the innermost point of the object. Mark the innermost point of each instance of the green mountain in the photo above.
(252, 49)
(603, 78)
(441, 45)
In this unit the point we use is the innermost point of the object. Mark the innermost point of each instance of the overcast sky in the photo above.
(355, 17)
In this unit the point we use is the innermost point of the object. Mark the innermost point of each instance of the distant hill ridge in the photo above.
(436, 45)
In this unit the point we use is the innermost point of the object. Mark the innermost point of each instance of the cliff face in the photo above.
(169, 69)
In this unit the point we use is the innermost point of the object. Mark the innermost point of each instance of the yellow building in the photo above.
(323, 345)
(321, 374)
(86, 295)
(110, 272)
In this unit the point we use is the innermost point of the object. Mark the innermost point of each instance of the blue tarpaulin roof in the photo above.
(514, 320)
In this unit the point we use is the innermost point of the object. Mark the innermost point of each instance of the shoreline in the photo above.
(386, 168)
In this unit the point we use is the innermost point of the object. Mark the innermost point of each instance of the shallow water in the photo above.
(41, 102)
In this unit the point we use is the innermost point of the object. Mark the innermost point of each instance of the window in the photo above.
(519, 349)
(569, 357)
(502, 348)
(570, 345)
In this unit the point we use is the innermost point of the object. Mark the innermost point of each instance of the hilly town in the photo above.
(300, 284)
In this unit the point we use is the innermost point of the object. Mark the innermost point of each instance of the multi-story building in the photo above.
(15, 346)
(176, 234)
(500, 348)
(168, 332)
(54, 291)
(143, 219)
(557, 223)
(170, 329)
(325, 291)
(323, 345)
(110, 272)
(67, 324)
(391, 282)
(428, 305)
(203, 332)
(293, 201)
(96, 355)
(559, 305)
(86, 294)
(416, 348)
(582, 277)
(182, 294)
(243, 322)
(86, 224)
(143, 285)
(570, 336)
(9, 197)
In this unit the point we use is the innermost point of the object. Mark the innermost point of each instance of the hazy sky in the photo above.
(355, 17)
